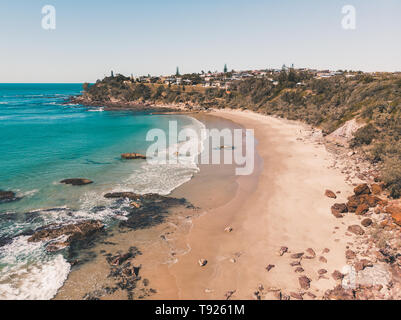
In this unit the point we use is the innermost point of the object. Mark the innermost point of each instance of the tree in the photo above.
(225, 68)
(177, 73)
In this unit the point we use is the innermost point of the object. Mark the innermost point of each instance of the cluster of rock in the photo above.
(366, 201)
(304, 281)
(146, 210)
(126, 277)
(7, 196)
(374, 255)
(59, 237)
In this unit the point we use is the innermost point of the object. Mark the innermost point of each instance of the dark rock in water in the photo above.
(132, 156)
(98, 209)
(117, 195)
(77, 230)
(121, 258)
(151, 208)
(28, 232)
(73, 232)
(77, 181)
(5, 240)
(7, 196)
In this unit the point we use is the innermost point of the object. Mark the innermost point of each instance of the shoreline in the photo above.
(285, 206)
(263, 220)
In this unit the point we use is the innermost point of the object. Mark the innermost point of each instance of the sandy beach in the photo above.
(285, 207)
(282, 204)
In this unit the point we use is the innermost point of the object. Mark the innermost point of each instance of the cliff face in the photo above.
(372, 103)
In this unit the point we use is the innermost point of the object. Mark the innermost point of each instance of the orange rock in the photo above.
(330, 194)
(395, 212)
(135, 204)
(376, 188)
(362, 189)
(132, 156)
(362, 209)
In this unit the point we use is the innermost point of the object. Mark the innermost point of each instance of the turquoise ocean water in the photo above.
(44, 141)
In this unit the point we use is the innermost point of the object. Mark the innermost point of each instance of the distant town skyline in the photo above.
(155, 37)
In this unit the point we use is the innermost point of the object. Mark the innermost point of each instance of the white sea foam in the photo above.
(100, 109)
(163, 179)
(29, 272)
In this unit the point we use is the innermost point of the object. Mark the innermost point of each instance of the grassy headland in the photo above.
(328, 103)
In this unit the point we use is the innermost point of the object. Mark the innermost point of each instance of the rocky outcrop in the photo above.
(68, 233)
(132, 156)
(76, 181)
(7, 196)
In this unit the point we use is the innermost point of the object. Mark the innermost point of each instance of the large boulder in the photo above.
(76, 181)
(362, 189)
(395, 212)
(132, 156)
(7, 196)
(77, 231)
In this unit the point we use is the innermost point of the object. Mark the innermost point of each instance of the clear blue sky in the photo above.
(93, 37)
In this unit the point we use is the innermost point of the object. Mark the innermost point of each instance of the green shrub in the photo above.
(392, 176)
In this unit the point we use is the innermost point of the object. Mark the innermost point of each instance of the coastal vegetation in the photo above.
(374, 100)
